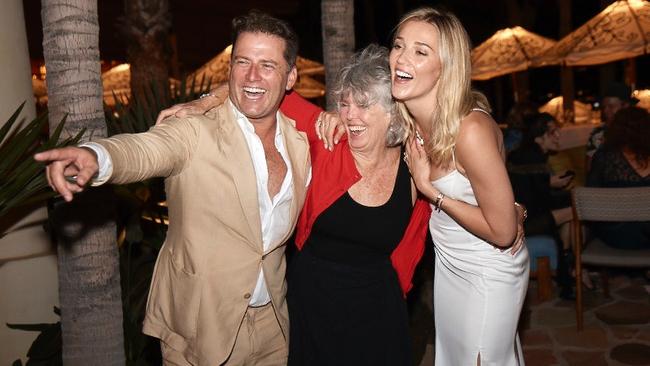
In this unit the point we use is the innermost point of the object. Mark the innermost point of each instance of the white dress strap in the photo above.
(453, 157)
(481, 110)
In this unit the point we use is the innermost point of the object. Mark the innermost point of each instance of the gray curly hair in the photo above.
(367, 79)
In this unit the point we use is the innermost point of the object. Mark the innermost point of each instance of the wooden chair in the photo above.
(606, 204)
(543, 254)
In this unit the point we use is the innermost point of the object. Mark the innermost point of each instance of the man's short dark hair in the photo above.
(258, 22)
(535, 125)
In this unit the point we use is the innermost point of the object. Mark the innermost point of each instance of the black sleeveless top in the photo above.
(348, 232)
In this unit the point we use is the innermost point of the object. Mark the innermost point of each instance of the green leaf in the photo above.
(48, 344)
(17, 145)
(38, 327)
(21, 178)
(10, 122)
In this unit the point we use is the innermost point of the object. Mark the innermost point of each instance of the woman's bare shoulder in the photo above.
(477, 127)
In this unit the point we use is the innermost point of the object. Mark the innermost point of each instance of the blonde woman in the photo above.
(458, 164)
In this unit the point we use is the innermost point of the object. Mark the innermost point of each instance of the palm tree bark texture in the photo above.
(337, 20)
(85, 231)
(145, 26)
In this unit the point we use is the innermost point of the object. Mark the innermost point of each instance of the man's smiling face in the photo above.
(259, 75)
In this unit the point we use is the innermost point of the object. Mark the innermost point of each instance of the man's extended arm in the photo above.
(160, 152)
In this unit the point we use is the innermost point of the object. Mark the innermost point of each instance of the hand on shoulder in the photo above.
(196, 107)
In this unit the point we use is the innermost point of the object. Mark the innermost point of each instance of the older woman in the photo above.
(346, 307)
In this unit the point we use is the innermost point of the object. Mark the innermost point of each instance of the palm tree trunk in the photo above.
(337, 18)
(566, 72)
(89, 277)
(520, 14)
(146, 25)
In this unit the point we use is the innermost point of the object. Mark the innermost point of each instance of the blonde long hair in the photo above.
(455, 97)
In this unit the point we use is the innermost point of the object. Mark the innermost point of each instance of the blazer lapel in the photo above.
(239, 162)
(297, 147)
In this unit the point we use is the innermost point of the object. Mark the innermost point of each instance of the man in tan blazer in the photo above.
(236, 179)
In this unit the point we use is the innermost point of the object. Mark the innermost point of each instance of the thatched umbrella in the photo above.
(39, 88)
(554, 108)
(508, 50)
(620, 31)
(117, 81)
(644, 98)
(216, 70)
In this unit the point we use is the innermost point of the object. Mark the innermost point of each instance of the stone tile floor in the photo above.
(616, 330)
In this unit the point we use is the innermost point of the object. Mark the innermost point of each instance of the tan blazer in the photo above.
(208, 267)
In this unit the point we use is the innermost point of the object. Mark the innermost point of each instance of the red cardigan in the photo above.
(333, 173)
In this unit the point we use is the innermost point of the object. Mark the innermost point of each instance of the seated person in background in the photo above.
(624, 161)
(513, 134)
(616, 96)
(549, 207)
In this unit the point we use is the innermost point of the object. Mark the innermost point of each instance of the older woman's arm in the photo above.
(303, 112)
(293, 106)
(198, 106)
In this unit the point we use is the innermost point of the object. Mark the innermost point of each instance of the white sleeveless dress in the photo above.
(478, 289)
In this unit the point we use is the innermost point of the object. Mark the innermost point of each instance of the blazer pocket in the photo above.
(178, 298)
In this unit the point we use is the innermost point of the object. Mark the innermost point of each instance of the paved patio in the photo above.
(616, 331)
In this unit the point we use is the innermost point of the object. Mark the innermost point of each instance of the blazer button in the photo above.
(247, 296)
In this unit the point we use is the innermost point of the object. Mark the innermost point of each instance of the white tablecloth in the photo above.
(572, 135)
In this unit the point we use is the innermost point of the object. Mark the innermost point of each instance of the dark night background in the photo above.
(202, 30)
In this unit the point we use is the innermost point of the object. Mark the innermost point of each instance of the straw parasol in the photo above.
(620, 31)
(554, 108)
(306, 66)
(117, 81)
(309, 87)
(39, 88)
(216, 70)
(508, 50)
(644, 98)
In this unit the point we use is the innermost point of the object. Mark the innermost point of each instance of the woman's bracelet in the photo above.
(517, 204)
(438, 202)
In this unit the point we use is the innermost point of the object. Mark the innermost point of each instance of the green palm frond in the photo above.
(21, 178)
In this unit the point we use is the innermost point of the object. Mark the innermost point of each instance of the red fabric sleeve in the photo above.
(303, 112)
(408, 253)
